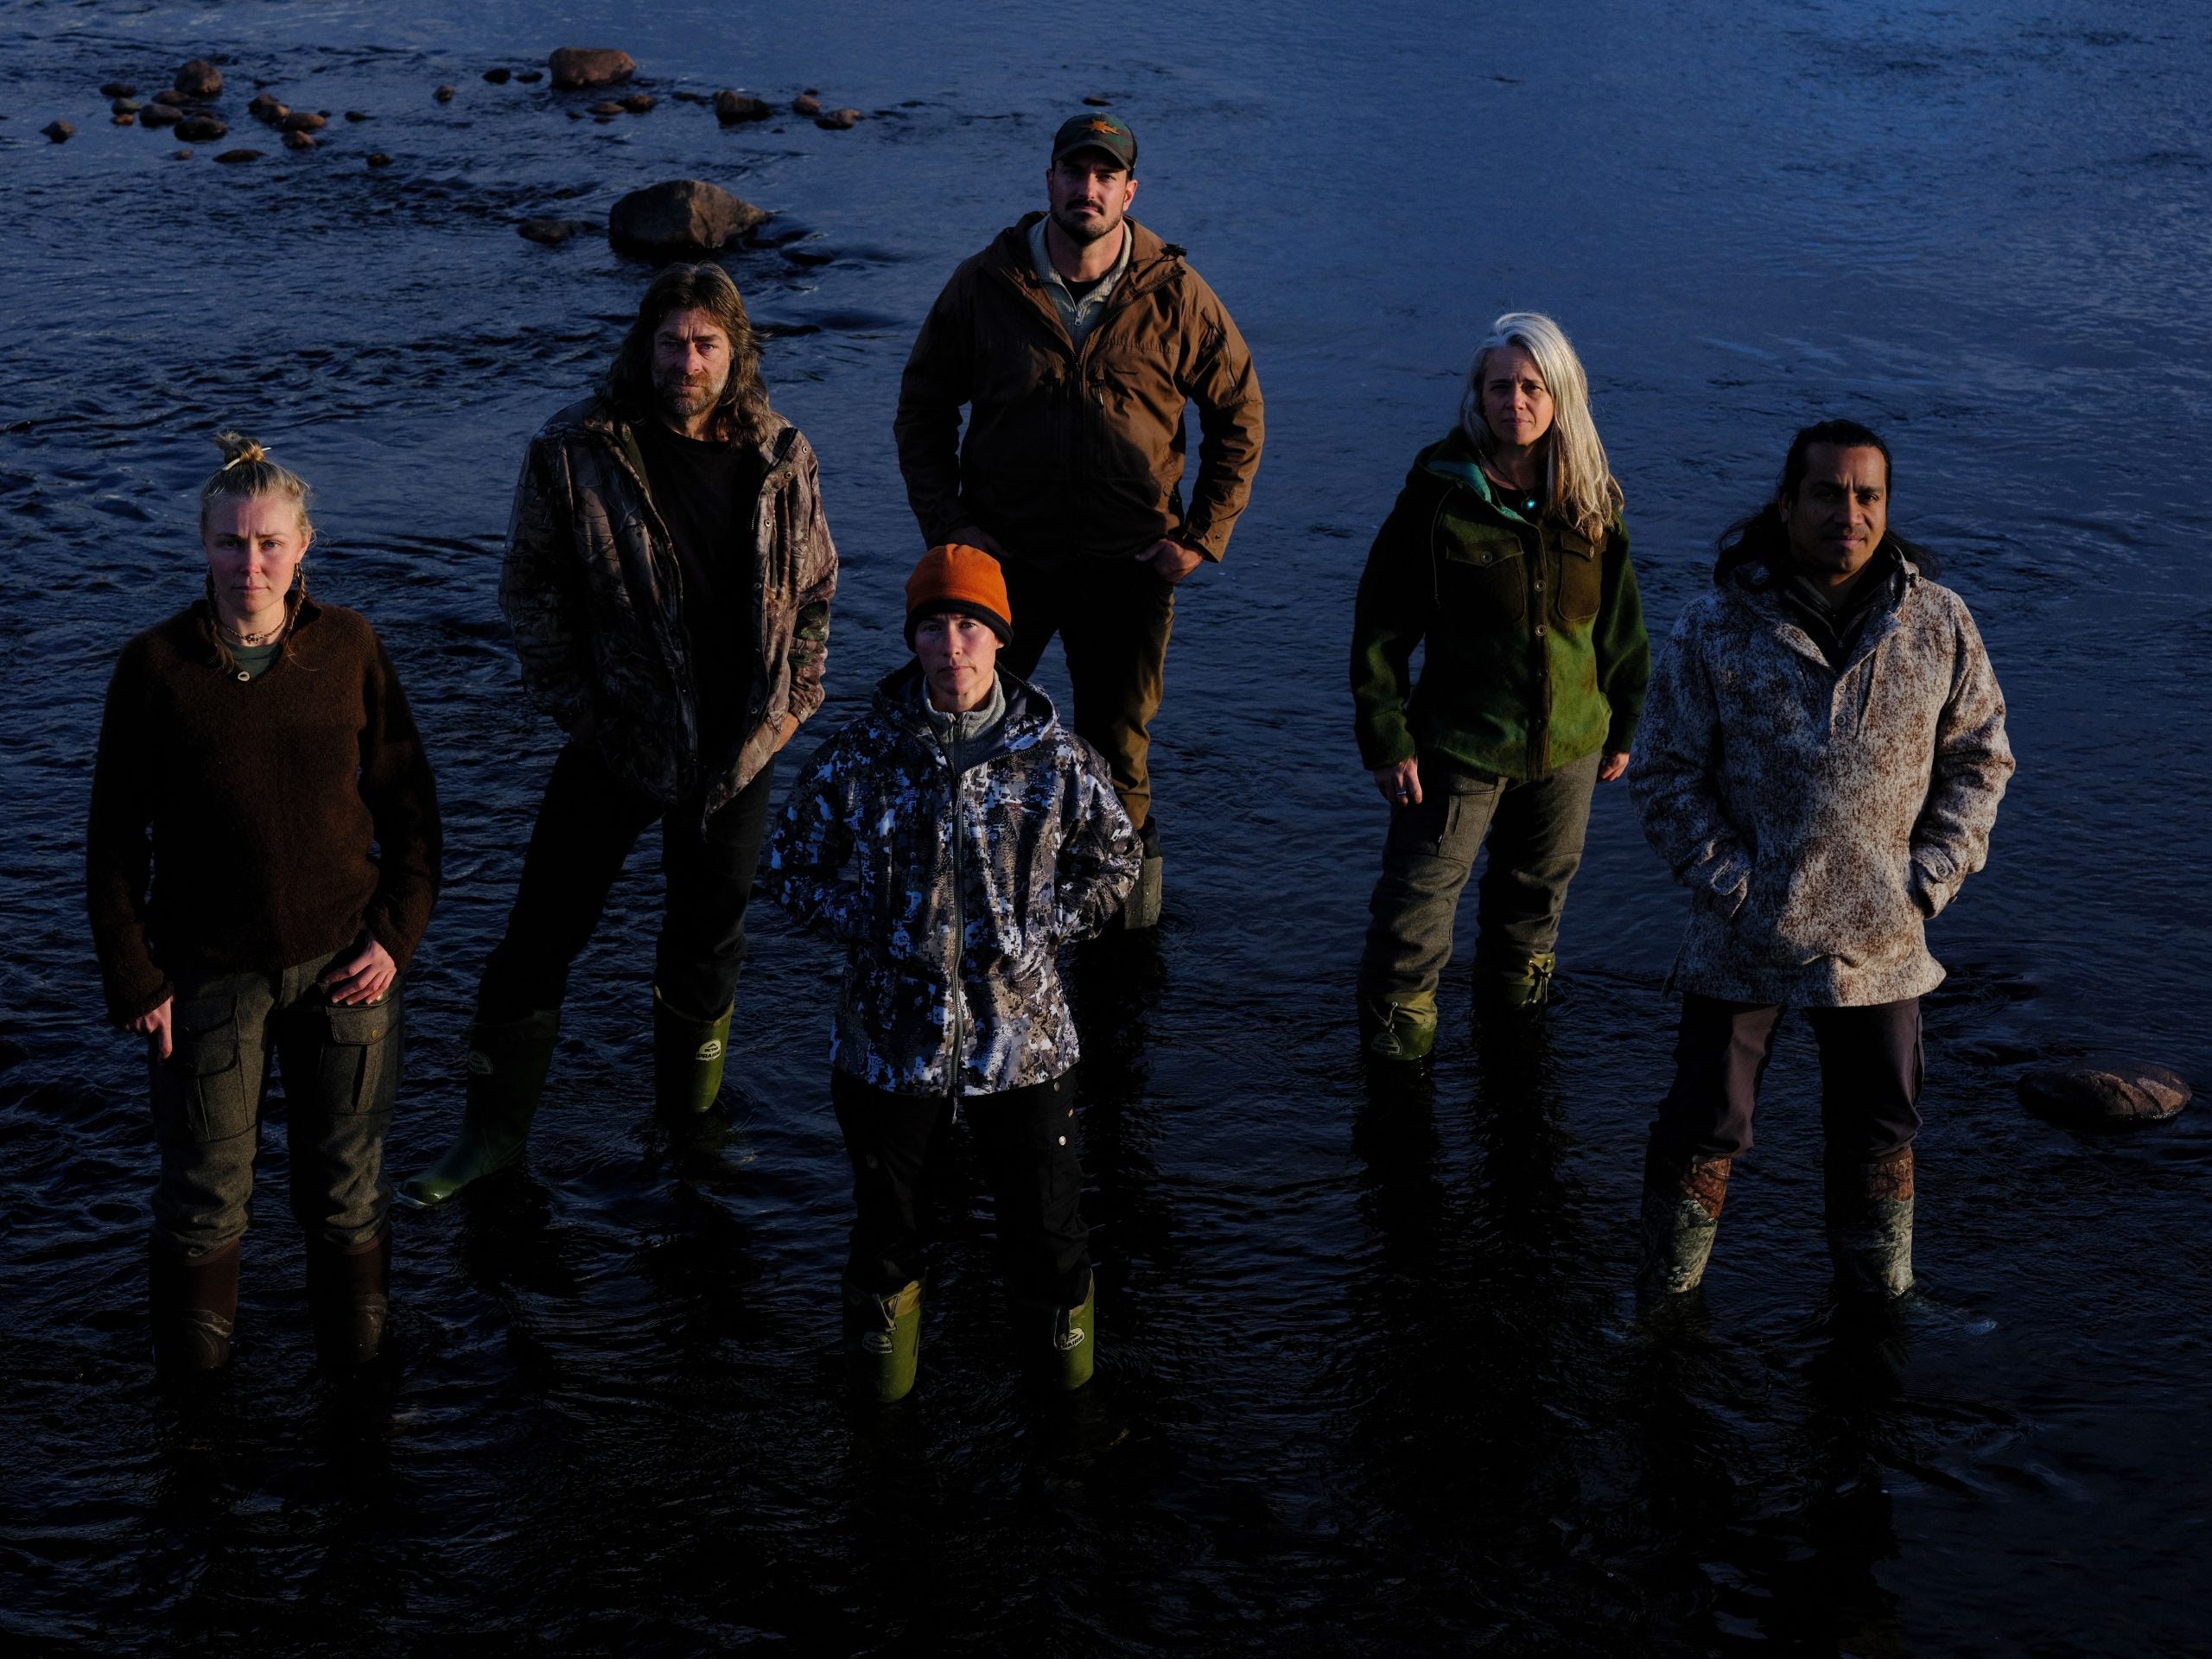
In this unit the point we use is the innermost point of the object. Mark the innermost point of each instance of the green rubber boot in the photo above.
(688, 1058)
(1075, 1340)
(1681, 1214)
(883, 1337)
(507, 1064)
(1520, 984)
(1869, 1226)
(1401, 1032)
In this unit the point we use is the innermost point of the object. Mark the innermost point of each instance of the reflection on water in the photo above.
(1371, 1379)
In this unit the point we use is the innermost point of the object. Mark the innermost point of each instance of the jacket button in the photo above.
(1539, 630)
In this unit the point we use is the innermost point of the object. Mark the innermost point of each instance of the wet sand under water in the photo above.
(1370, 1378)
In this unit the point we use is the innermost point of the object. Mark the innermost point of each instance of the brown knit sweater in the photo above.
(287, 813)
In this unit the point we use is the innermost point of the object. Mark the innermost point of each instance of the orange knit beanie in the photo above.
(965, 580)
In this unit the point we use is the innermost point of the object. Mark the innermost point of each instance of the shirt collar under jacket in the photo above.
(964, 736)
(1078, 316)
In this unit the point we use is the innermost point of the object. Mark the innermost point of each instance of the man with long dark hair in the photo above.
(667, 576)
(1822, 755)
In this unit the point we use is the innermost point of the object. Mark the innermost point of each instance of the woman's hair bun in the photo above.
(239, 450)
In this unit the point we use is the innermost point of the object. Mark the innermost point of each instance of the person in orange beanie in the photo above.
(953, 838)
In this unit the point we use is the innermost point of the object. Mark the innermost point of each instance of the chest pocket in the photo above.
(1580, 581)
(1482, 571)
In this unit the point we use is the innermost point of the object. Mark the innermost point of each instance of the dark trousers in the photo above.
(587, 825)
(1113, 617)
(1536, 830)
(340, 1067)
(1025, 1139)
(1870, 1079)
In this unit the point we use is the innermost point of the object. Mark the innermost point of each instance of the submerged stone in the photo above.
(680, 216)
(60, 131)
(2125, 1091)
(552, 233)
(200, 128)
(234, 156)
(837, 120)
(576, 67)
(198, 78)
(731, 107)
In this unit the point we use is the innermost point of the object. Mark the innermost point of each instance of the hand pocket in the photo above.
(200, 1092)
(357, 1057)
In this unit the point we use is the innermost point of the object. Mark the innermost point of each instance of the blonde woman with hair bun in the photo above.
(261, 858)
(1506, 557)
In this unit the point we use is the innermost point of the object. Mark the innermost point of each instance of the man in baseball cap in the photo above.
(1074, 340)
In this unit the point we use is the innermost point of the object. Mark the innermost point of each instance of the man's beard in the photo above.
(685, 401)
(1086, 231)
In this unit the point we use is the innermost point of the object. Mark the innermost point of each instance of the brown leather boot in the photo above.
(195, 1303)
(348, 1296)
(1682, 1213)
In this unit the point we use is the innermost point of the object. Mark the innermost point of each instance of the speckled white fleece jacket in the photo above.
(1818, 816)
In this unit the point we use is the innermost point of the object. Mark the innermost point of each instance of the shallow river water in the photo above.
(1370, 1382)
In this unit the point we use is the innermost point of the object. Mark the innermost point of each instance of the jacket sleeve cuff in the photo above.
(122, 1008)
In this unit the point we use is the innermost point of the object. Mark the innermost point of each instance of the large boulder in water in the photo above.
(2123, 1092)
(590, 66)
(680, 216)
(732, 106)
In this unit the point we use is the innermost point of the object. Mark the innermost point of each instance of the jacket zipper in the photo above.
(959, 931)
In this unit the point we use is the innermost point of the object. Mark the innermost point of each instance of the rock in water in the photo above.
(301, 121)
(118, 89)
(234, 156)
(159, 115)
(806, 104)
(60, 131)
(124, 106)
(552, 233)
(637, 103)
(295, 139)
(2125, 1091)
(497, 77)
(590, 66)
(357, 115)
(125, 120)
(837, 120)
(680, 216)
(267, 107)
(731, 107)
(379, 159)
(200, 128)
(200, 79)
(443, 94)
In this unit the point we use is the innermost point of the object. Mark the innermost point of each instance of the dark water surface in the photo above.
(1370, 1381)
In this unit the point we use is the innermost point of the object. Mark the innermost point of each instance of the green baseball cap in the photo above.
(1097, 130)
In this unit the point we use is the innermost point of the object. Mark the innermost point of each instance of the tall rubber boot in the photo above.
(883, 1339)
(1398, 1032)
(349, 1297)
(688, 1058)
(1519, 985)
(1072, 1341)
(1681, 1214)
(507, 1064)
(1140, 909)
(1870, 1225)
(195, 1303)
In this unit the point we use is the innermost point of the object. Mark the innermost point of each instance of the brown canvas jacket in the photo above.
(1077, 453)
(591, 588)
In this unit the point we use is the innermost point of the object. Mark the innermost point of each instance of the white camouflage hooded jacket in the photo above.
(952, 891)
(1819, 816)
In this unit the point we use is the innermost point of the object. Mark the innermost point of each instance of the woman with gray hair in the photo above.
(1505, 554)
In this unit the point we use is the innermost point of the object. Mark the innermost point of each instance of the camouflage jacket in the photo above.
(952, 894)
(1819, 816)
(592, 589)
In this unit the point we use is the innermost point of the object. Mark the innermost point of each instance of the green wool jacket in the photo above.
(1536, 652)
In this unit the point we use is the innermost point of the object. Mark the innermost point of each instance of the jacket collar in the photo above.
(1757, 588)
(1453, 459)
(1152, 263)
(597, 417)
(1030, 717)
